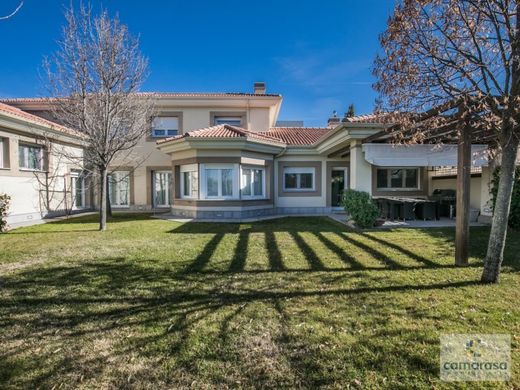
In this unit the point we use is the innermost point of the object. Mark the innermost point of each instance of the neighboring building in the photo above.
(41, 167)
(220, 155)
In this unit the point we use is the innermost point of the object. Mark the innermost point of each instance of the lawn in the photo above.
(295, 302)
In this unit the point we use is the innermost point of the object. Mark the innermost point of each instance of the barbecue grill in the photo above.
(446, 200)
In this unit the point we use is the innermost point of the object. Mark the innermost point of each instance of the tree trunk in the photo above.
(102, 200)
(463, 198)
(497, 237)
(109, 206)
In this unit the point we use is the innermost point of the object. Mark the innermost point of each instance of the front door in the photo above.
(338, 186)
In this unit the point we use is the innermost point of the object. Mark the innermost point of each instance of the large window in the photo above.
(30, 157)
(119, 188)
(398, 178)
(165, 126)
(219, 181)
(190, 181)
(162, 188)
(253, 183)
(299, 179)
(77, 184)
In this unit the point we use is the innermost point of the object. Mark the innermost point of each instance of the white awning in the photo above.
(387, 155)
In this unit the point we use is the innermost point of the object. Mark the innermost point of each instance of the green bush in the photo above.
(361, 208)
(5, 200)
(514, 212)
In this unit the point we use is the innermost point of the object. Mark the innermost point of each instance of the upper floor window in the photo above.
(165, 126)
(30, 157)
(228, 120)
(398, 178)
(299, 179)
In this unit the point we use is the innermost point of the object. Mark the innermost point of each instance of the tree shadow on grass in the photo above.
(145, 311)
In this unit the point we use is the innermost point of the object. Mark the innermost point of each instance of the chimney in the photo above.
(334, 120)
(259, 88)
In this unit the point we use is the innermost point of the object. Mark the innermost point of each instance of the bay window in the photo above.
(219, 181)
(165, 126)
(397, 178)
(253, 183)
(299, 179)
(162, 188)
(189, 181)
(119, 188)
(30, 157)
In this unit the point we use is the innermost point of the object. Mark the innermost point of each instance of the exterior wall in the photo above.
(475, 195)
(313, 202)
(360, 169)
(39, 194)
(146, 158)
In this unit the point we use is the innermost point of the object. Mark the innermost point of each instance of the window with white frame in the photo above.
(77, 184)
(397, 178)
(189, 181)
(119, 188)
(252, 184)
(165, 126)
(299, 179)
(2, 153)
(162, 188)
(219, 181)
(228, 120)
(30, 157)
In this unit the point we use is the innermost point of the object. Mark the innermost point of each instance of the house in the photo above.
(41, 167)
(221, 155)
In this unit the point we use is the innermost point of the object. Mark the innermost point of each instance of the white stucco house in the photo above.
(221, 155)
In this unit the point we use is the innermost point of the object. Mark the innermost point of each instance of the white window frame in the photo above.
(2, 152)
(228, 117)
(154, 127)
(26, 157)
(298, 171)
(73, 177)
(235, 177)
(185, 169)
(252, 167)
(168, 189)
(118, 181)
(389, 179)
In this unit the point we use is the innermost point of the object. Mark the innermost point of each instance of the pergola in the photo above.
(446, 124)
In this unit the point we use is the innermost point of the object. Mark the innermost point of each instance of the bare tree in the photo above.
(94, 78)
(462, 54)
(16, 10)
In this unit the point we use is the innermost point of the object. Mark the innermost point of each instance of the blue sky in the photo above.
(317, 54)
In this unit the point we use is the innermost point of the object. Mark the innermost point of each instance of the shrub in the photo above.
(5, 200)
(361, 208)
(514, 212)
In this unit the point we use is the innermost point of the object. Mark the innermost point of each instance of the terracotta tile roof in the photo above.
(224, 131)
(16, 112)
(383, 118)
(298, 136)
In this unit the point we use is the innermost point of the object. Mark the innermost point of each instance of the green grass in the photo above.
(295, 302)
